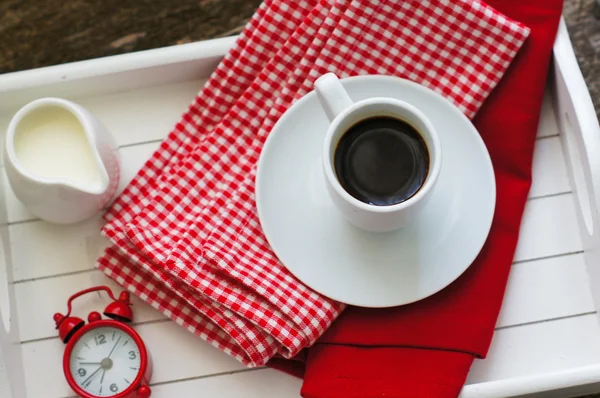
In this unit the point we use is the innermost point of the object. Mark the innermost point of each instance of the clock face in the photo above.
(105, 361)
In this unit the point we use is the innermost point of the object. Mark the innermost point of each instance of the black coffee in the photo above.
(381, 161)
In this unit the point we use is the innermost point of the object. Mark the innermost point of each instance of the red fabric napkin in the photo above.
(188, 242)
(425, 349)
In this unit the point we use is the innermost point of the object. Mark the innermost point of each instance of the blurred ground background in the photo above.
(36, 33)
(583, 22)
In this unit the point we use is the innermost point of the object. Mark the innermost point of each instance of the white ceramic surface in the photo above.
(59, 200)
(343, 114)
(358, 267)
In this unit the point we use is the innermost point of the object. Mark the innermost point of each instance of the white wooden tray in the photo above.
(547, 339)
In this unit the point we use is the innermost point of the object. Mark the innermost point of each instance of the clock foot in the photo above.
(144, 392)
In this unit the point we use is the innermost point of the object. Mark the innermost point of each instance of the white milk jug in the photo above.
(61, 162)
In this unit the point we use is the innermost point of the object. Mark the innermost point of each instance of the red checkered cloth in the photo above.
(124, 264)
(185, 233)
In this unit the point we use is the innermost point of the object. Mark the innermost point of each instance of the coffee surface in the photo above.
(381, 161)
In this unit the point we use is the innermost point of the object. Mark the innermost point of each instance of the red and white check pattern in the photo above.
(217, 289)
(256, 45)
(186, 235)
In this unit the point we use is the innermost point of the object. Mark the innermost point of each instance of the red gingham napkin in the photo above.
(198, 252)
(217, 288)
(259, 41)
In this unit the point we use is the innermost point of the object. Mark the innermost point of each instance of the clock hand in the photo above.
(102, 378)
(115, 346)
(90, 363)
(92, 375)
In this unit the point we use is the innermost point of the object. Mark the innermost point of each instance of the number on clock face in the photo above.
(105, 361)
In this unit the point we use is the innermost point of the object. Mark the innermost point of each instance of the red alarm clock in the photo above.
(105, 357)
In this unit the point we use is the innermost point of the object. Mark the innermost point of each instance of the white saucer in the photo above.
(360, 268)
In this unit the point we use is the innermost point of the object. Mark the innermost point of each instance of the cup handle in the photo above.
(332, 95)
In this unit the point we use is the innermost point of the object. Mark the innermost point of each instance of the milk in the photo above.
(51, 143)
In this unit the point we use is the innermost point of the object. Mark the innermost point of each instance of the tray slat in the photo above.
(42, 250)
(539, 348)
(254, 384)
(547, 126)
(122, 112)
(546, 289)
(549, 228)
(550, 169)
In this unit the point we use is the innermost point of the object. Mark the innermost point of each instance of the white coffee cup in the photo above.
(343, 114)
